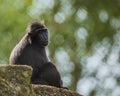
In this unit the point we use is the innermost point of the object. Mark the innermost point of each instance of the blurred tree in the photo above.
(84, 39)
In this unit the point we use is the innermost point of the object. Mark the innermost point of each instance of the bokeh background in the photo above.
(84, 39)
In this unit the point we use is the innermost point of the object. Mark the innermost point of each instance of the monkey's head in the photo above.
(37, 33)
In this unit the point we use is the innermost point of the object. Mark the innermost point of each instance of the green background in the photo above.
(84, 39)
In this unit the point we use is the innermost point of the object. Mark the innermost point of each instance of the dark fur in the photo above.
(29, 51)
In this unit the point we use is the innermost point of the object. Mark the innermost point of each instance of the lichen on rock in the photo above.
(43, 90)
(15, 80)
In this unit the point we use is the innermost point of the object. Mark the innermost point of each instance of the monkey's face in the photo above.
(38, 33)
(42, 36)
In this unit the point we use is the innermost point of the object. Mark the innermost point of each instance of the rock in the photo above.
(43, 90)
(15, 81)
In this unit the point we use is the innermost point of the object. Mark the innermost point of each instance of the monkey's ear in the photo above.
(29, 34)
(29, 37)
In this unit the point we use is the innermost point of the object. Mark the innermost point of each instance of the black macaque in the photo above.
(31, 51)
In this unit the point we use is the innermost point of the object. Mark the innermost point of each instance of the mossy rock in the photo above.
(43, 90)
(15, 80)
(6, 89)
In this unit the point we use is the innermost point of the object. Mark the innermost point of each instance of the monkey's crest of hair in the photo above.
(35, 25)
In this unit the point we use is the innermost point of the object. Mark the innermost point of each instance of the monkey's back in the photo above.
(27, 54)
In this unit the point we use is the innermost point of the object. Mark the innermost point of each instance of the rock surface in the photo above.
(15, 81)
(52, 91)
